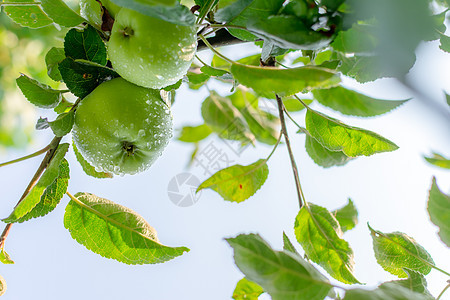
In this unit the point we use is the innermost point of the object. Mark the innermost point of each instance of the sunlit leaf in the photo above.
(28, 16)
(438, 160)
(46, 179)
(397, 251)
(5, 258)
(247, 290)
(194, 134)
(353, 103)
(225, 119)
(52, 194)
(293, 105)
(321, 155)
(415, 282)
(319, 234)
(262, 124)
(37, 93)
(337, 136)
(385, 292)
(87, 168)
(61, 13)
(237, 183)
(114, 231)
(268, 81)
(363, 68)
(439, 210)
(347, 216)
(287, 244)
(85, 44)
(282, 274)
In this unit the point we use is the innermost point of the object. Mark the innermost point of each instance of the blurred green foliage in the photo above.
(22, 50)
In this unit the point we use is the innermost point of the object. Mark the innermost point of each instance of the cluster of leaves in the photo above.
(320, 41)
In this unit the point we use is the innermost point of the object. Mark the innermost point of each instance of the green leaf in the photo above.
(289, 32)
(347, 216)
(225, 119)
(114, 231)
(38, 93)
(240, 12)
(284, 275)
(319, 234)
(353, 103)
(61, 13)
(63, 107)
(287, 245)
(445, 43)
(438, 160)
(5, 258)
(194, 134)
(293, 105)
(360, 39)
(82, 77)
(197, 80)
(28, 16)
(46, 179)
(385, 292)
(337, 136)
(205, 6)
(321, 155)
(166, 10)
(439, 210)
(262, 124)
(53, 57)
(247, 290)
(63, 123)
(415, 282)
(87, 168)
(85, 44)
(363, 68)
(238, 183)
(52, 194)
(397, 251)
(213, 71)
(268, 81)
(2, 286)
(331, 5)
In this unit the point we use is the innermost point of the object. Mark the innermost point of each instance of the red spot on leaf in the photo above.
(240, 186)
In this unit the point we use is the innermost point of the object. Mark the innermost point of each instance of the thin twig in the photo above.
(39, 152)
(301, 197)
(48, 157)
(444, 290)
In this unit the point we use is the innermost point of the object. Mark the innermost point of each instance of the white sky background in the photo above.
(390, 191)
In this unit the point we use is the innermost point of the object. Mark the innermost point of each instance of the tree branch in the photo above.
(301, 198)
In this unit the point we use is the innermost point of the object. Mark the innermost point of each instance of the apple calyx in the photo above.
(129, 148)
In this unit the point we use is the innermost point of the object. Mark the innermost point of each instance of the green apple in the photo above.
(122, 128)
(91, 10)
(148, 51)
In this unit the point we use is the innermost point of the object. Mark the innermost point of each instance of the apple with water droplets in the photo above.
(148, 51)
(122, 128)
